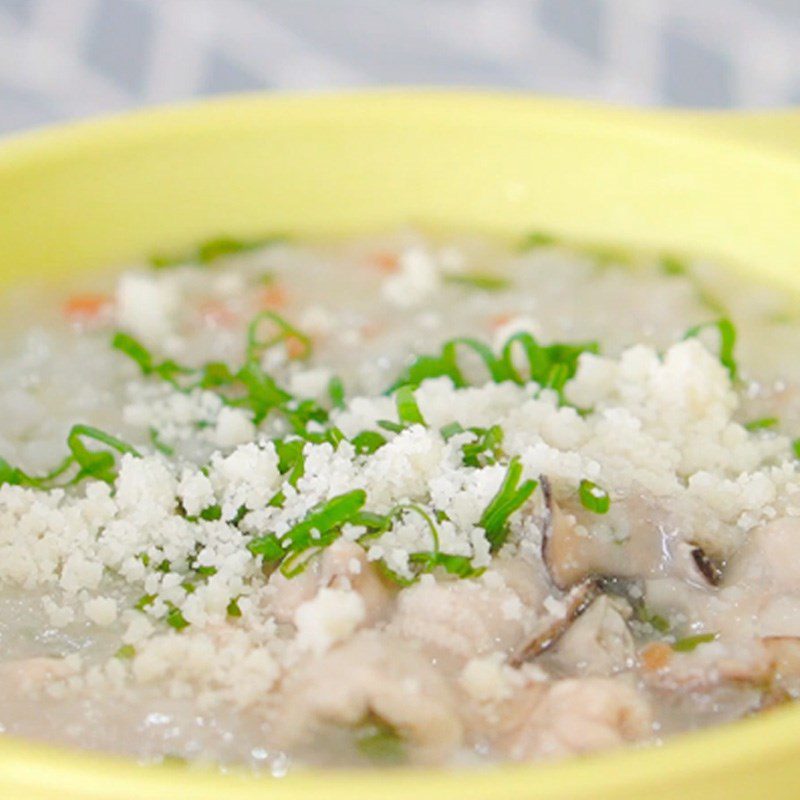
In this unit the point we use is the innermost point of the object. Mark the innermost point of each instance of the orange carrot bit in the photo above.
(498, 320)
(272, 297)
(216, 312)
(655, 656)
(384, 261)
(296, 348)
(371, 330)
(86, 307)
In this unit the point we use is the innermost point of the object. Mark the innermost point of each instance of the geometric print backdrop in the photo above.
(62, 59)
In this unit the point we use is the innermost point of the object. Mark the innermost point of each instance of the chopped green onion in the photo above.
(655, 621)
(460, 566)
(422, 561)
(126, 651)
(325, 520)
(175, 618)
(450, 430)
(336, 392)
(537, 239)
(269, 547)
(367, 442)
(510, 496)
(380, 742)
(167, 370)
(97, 464)
(256, 345)
(727, 342)
(266, 278)
(163, 448)
(407, 409)
(222, 246)
(690, 643)
(144, 601)
(795, 449)
(486, 283)
(291, 459)
(233, 609)
(673, 265)
(608, 255)
(213, 249)
(485, 449)
(211, 513)
(550, 366)
(14, 475)
(761, 424)
(249, 386)
(392, 427)
(593, 497)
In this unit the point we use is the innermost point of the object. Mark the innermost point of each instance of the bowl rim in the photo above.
(750, 744)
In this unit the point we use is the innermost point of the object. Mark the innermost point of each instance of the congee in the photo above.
(407, 499)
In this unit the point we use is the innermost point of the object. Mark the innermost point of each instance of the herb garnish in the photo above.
(175, 618)
(690, 643)
(537, 239)
(593, 497)
(95, 463)
(249, 386)
(672, 265)
(159, 445)
(483, 450)
(367, 442)
(550, 366)
(421, 561)
(761, 424)
(407, 408)
(336, 392)
(319, 528)
(509, 497)
(655, 621)
(486, 283)
(380, 742)
(727, 342)
(213, 249)
(126, 651)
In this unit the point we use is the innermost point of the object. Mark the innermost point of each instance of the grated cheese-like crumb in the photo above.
(329, 617)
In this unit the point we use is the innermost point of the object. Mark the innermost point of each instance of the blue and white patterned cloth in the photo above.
(62, 59)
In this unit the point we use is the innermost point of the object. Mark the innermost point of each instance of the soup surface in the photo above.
(396, 500)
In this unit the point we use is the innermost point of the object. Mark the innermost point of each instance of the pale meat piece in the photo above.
(458, 620)
(598, 642)
(577, 716)
(343, 565)
(371, 675)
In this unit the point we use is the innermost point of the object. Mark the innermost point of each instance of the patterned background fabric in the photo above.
(62, 59)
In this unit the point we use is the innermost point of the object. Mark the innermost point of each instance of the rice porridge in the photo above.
(407, 499)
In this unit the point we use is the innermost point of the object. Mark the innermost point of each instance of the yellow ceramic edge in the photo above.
(765, 131)
(685, 762)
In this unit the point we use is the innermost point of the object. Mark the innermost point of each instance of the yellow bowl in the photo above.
(106, 192)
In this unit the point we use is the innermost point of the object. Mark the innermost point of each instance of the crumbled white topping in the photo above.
(329, 617)
(488, 678)
(146, 306)
(417, 278)
(234, 427)
(101, 610)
